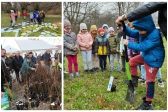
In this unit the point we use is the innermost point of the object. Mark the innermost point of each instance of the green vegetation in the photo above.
(89, 91)
(8, 34)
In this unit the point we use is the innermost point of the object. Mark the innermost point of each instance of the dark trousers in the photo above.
(102, 61)
(123, 63)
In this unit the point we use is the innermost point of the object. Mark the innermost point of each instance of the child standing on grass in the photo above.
(13, 18)
(24, 14)
(114, 47)
(70, 48)
(102, 48)
(106, 28)
(93, 32)
(152, 55)
(85, 42)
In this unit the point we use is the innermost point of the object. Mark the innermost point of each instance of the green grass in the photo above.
(8, 34)
(5, 19)
(89, 91)
(56, 19)
(58, 32)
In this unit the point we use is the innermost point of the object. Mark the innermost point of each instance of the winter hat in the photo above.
(83, 26)
(100, 30)
(12, 11)
(105, 25)
(93, 27)
(67, 23)
(111, 29)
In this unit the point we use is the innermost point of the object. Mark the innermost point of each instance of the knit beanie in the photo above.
(67, 23)
(111, 29)
(83, 26)
(93, 27)
(100, 30)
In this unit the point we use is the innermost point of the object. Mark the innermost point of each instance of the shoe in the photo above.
(71, 75)
(77, 74)
(160, 83)
(105, 69)
(145, 106)
(91, 70)
(142, 80)
(86, 71)
(96, 69)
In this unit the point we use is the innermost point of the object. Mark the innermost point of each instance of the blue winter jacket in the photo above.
(151, 45)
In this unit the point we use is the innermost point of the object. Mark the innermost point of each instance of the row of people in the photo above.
(35, 16)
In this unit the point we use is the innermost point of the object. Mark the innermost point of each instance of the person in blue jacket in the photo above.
(36, 16)
(152, 55)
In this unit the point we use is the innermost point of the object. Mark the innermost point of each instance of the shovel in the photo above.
(130, 97)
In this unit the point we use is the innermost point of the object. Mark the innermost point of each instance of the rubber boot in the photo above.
(146, 105)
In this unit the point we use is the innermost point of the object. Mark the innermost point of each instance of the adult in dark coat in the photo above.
(33, 59)
(46, 57)
(18, 61)
(5, 76)
(148, 9)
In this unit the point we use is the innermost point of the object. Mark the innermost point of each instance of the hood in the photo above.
(105, 25)
(93, 27)
(145, 24)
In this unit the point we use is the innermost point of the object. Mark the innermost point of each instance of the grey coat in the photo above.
(70, 41)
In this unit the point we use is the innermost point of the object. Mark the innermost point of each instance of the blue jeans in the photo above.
(143, 73)
(117, 57)
(87, 59)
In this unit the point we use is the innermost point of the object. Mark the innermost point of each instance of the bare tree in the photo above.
(96, 13)
(78, 12)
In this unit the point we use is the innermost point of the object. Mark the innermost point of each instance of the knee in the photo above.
(131, 62)
(75, 64)
(70, 64)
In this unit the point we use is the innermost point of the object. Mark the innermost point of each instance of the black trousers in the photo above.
(102, 61)
(123, 63)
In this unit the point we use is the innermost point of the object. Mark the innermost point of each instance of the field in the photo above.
(89, 91)
(50, 19)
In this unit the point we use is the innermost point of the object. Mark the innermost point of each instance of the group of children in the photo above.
(95, 47)
(98, 46)
(145, 50)
(35, 16)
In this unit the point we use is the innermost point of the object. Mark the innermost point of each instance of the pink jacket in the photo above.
(83, 40)
(13, 16)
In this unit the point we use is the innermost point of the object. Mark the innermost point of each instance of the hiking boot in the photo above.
(145, 105)
(96, 69)
(160, 83)
(135, 81)
(91, 70)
